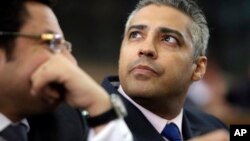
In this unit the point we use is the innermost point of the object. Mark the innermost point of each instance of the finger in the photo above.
(50, 96)
(42, 77)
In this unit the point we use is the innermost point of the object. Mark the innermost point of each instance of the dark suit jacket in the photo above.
(194, 122)
(64, 124)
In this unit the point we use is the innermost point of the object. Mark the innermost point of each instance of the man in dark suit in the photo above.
(162, 53)
(41, 86)
(38, 72)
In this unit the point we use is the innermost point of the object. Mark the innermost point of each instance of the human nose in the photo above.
(148, 49)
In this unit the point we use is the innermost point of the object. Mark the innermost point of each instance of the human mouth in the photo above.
(144, 70)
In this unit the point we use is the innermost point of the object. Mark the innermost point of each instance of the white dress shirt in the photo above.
(4, 122)
(116, 130)
(157, 121)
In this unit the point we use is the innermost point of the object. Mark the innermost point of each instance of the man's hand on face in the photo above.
(59, 74)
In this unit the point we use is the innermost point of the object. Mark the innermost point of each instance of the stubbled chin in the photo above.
(141, 77)
(140, 74)
(138, 89)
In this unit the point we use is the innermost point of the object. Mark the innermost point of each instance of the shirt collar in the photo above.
(4, 122)
(157, 121)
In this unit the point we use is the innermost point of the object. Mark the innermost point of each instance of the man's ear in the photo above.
(200, 68)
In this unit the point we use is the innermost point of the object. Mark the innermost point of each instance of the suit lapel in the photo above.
(188, 130)
(192, 125)
(140, 127)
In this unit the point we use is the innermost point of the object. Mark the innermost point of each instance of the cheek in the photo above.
(28, 56)
(18, 71)
(184, 66)
(28, 64)
(124, 59)
(121, 64)
(177, 65)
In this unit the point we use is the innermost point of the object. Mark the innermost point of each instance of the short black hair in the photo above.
(13, 14)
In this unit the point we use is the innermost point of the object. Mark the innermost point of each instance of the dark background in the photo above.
(95, 28)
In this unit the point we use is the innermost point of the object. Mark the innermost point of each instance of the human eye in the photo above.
(170, 40)
(134, 35)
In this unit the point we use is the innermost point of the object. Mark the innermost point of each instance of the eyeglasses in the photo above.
(54, 40)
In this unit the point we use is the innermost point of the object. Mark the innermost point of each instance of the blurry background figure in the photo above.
(209, 94)
(229, 102)
(199, 95)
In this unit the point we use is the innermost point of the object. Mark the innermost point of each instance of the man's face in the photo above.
(27, 56)
(156, 54)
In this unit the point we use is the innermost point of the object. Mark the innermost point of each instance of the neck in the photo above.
(12, 117)
(167, 108)
(11, 114)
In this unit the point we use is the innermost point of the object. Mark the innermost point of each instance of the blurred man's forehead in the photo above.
(41, 19)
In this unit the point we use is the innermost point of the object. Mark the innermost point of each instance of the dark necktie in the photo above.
(14, 133)
(171, 132)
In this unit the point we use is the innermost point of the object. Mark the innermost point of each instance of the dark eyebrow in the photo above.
(168, 30)
(140, 27)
